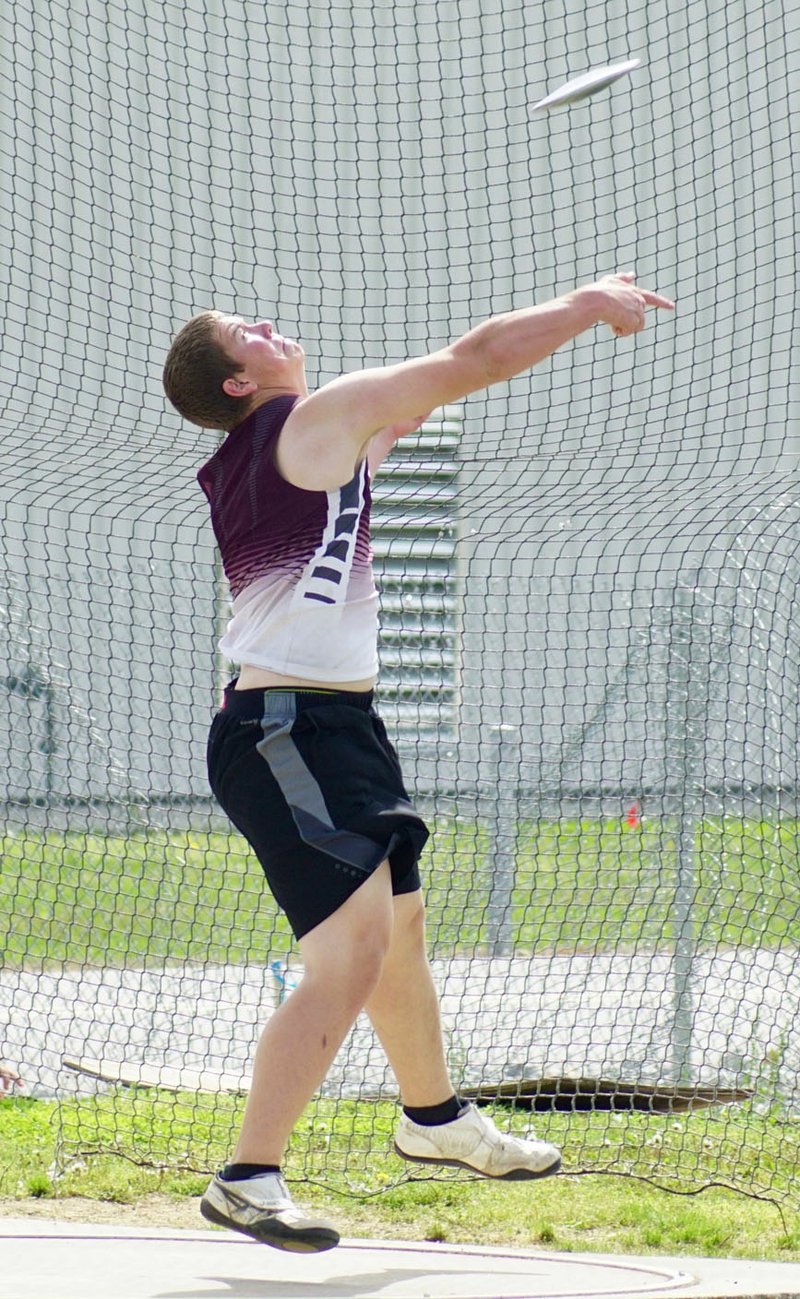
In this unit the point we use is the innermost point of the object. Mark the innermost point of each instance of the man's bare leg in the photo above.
(404, 1010)
(342, 960)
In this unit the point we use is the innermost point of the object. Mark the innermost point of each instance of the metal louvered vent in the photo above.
(414, 539)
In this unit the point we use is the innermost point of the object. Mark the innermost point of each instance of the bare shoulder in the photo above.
(327, 433)
(312, 452)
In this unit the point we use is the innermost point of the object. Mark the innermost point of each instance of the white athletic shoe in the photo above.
(473, 1142)
(262, 1207)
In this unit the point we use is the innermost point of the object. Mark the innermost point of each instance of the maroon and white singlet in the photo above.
(299, 563)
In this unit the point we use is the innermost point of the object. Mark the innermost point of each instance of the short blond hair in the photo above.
(194, 371)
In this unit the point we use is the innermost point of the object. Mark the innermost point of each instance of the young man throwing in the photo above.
(298, 757)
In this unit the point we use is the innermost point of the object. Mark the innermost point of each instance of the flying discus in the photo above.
(589, 83)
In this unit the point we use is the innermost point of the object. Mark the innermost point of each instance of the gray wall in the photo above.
(370, 176)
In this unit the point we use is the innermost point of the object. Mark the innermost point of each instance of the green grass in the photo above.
(144, 899)
(580, 885)
(570, 1213)
(150, 899)
(336, 1140)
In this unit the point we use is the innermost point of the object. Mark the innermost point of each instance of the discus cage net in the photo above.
(590, 640)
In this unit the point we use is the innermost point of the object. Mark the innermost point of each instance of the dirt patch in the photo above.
(183, 1213)
(150, 1211)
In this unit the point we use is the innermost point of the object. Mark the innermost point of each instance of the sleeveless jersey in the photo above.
(299, 563)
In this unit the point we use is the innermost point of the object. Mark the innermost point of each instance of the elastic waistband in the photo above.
(288, 703)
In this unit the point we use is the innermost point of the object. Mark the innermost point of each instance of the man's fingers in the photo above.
(647, 295)
(628, 303)
(656, 300)
(9, 1078)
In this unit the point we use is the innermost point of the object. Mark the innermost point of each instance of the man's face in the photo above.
(268, 360)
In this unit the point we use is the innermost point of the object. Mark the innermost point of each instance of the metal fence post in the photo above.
(686, 710)
(503, 862)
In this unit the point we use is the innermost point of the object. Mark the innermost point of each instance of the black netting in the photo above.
(590, 638)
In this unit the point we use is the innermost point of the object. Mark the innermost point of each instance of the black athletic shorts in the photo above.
(312, 782)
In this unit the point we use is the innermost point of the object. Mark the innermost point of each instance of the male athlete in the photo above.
(298, 757)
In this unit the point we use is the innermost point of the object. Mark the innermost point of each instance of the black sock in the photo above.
(433, 1116)
(240, 1172)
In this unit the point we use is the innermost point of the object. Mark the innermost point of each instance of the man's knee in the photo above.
(409, 918)
(355, 968)
(350, 947)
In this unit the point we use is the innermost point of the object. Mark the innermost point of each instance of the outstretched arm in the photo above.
(327, 433)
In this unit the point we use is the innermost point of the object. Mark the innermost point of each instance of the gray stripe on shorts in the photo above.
(305, 799)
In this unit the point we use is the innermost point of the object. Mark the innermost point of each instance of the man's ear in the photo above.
(239, 387)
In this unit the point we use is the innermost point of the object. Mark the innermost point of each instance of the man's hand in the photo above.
(395, 431)
(9, 1078)
(622, 304)
(383, 441)
(328, 433)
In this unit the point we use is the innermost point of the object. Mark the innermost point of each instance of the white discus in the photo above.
(589, 83)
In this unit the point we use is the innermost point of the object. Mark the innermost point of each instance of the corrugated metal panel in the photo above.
(414, 539)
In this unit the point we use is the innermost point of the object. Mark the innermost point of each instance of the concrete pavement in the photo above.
(41, 1259)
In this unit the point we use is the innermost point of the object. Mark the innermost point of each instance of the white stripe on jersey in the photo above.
(326, 575)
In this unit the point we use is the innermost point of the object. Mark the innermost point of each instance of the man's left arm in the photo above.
(383, 441)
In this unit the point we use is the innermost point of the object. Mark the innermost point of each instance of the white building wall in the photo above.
(370, 176)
